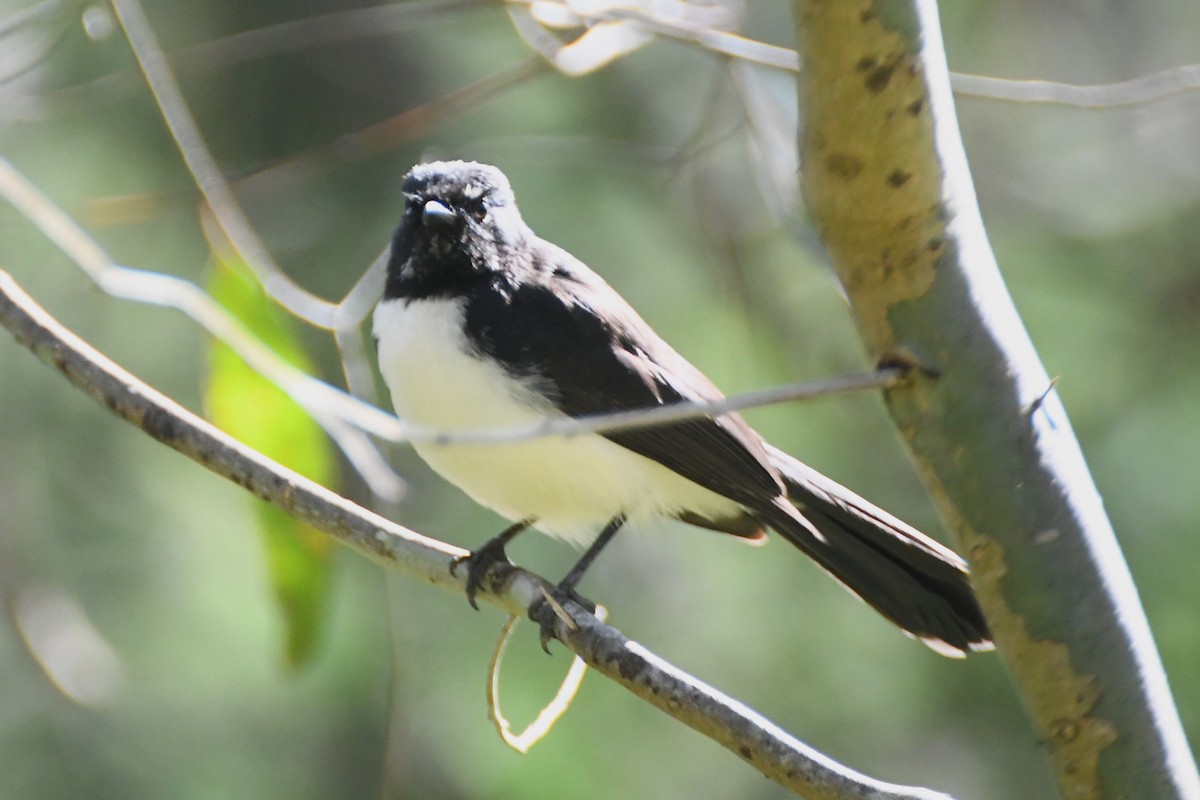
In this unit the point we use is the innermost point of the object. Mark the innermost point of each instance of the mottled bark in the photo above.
(886, 182)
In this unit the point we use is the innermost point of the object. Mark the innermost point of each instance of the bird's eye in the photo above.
(478, 210)
(411, 201)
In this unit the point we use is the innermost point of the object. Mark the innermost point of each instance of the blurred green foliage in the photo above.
(1093, 215)
(253, 410)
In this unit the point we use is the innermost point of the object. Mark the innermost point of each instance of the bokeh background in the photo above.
(649, 171)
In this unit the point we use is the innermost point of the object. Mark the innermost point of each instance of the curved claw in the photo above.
(544, 615)
(487, 556)
(479, 562)
(546, 611)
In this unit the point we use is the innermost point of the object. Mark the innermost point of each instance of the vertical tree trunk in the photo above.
(886, 182)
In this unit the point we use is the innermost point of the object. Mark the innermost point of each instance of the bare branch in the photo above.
(543, 723)
(207, 174)
(779, 756)
(390, 133)
(379, 137)
(1123, 94)
(41, 12)
(384, 20)
(286, 37)
(1137, 91)
(318, 31)
(23, 54)
(330, 407)
(649, 417)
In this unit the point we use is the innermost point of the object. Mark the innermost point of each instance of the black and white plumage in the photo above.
(484, 324)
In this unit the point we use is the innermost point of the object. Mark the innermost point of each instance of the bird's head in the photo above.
(460, 219)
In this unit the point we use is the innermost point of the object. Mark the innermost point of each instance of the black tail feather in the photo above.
(920, 585)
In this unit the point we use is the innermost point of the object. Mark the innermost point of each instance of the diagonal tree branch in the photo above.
(779, 756)
(886, 180)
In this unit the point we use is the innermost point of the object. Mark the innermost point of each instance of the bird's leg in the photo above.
(543, 611)
(486, 556)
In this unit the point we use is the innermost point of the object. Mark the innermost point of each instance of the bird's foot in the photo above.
(552, 607)
(479, 562)
(491, 554)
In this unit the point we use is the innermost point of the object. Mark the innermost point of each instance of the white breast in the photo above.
(572, 486)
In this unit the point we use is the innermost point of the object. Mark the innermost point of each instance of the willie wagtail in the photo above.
(484, 324)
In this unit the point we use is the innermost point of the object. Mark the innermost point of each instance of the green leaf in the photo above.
(254, 411)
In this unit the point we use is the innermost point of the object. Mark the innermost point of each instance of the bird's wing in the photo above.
(565, 329)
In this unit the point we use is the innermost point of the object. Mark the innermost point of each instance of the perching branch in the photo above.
(767, 748)
(886, 181)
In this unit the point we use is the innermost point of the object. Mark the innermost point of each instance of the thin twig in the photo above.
(1122, 94)
(380, 137)
(567, 427)
(542, 724)
(344, 418)
(390, 133)
(348, 320)
(45, 11)
(317, 397)
(320, 30)
(354, 309)
(207, 174)
(769, 749)
(384, 20)
(721, 42)
(33, 50)
(312, 396)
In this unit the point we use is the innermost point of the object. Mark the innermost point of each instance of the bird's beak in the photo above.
(437, 215)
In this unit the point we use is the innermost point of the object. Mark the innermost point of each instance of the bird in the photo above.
(482, 324)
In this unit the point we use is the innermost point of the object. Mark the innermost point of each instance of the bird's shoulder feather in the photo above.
(557, 323)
